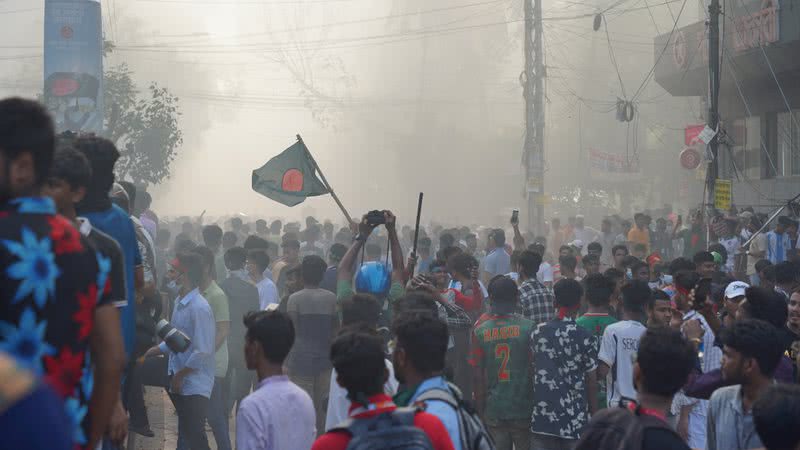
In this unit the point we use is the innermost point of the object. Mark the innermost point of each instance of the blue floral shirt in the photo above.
(563, 352)
(51, 282)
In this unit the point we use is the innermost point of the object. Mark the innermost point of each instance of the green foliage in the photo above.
(143, 125)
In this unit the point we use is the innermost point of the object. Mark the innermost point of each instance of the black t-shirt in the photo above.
(110, 253)
(662, 439)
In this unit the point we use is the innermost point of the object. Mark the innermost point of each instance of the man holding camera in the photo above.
(190, 373)
(344, 284)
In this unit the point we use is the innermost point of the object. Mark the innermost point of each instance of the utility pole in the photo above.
(533, 92)
(714, 11)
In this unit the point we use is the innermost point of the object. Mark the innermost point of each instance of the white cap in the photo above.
(577, 243)
(735, 289)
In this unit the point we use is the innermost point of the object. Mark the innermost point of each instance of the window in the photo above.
(746, 150)
(788, 139)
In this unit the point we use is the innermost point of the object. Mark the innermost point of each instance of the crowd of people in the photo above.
(313, 336)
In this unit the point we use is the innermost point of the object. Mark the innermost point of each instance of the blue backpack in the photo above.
(392, 430)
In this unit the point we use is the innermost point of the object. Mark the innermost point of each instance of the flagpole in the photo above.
(325, 181)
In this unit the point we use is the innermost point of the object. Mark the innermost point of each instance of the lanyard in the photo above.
(637, 409)
(371, 407)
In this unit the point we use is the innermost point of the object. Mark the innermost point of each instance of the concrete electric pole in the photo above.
(533, 92)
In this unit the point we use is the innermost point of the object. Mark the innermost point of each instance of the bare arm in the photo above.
(519, 241)
(345, 271)
(222, 329)
(398, 265)
(108, 352)
(602, 370)
(591, 390)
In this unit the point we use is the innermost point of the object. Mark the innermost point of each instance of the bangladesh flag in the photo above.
(289, 177)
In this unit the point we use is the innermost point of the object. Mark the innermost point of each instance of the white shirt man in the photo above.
(617, 350)
(711, 359)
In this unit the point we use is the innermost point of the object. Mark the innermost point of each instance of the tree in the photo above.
(144, 126)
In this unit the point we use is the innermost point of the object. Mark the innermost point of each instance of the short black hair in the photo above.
(260, 257)
(424, 339)
(229, 239)
(461, 263)
(686, 280)
(568, 292)
(619, 247)
(598, 289)
(568, 261)
(290, 243)
(361, 309)
(591, 258)
(665, 359)
(192, 263)
(776, 415)
(274, 330)
(102, 155)
(594, 246)
(765, 304)
(446, 240)
(636, 295)
(418, 302)
(71, 166)
(499, 237)
(769, 273)
(681, 263)
(449, 252)
(337, 252)
(529, 262)
(26, 126)
(207, 256)
(235, 258)
(212, 235)
(253, 242)
(503, 294)
(313, 270)
(130, 190)
(785, 272)
(702, 257)
(360, 362)
(756, 339)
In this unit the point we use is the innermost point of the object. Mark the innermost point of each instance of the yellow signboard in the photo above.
(722, 195)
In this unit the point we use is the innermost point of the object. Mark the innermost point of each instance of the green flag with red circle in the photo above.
(290, 177)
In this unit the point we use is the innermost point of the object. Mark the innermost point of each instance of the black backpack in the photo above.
(474, 435)
(620, 428)
(393, 430)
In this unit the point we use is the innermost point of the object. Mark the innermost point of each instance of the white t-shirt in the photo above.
(732, 248)
(712, 359)
(339, 404)
(545, 273)
(618, 350)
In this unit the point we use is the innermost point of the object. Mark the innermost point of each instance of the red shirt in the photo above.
(430, 424)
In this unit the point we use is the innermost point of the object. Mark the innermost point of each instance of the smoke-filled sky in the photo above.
(393, 97)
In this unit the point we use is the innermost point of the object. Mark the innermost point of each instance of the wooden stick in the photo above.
(325, 181)
(416, 229)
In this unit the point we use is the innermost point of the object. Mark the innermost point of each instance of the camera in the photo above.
(375, 218)
(175, 339)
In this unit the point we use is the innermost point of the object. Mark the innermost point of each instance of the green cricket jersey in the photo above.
(501, 346)
(596, 324)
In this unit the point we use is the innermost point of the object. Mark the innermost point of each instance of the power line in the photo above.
(336, 24)
(660, 55)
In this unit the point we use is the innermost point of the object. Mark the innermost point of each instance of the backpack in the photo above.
(474, 435)
(620, 428)
(392, 430)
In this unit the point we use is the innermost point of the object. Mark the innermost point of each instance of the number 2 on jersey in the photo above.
(502, 351)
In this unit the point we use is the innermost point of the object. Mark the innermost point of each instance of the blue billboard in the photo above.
(73, 64)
